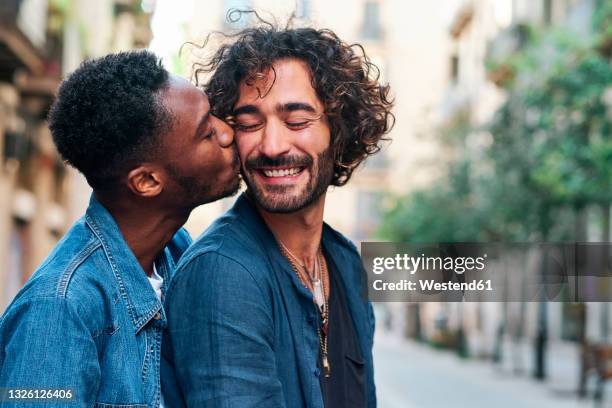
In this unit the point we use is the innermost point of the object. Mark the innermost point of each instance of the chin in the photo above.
(283, 204)
(230, 188)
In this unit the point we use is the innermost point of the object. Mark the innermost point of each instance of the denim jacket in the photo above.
(242, 328)
(88, 321)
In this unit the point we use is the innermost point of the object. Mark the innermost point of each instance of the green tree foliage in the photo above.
(550, 153)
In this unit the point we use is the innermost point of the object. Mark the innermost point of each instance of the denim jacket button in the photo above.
(157, 316)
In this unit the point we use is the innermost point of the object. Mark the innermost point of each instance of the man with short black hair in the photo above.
(266, 308)
(87, 326)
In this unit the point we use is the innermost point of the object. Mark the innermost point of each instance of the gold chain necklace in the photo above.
(322, 331)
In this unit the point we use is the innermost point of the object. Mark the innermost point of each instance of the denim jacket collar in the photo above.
(134, 287)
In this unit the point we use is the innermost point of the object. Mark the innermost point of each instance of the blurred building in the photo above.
(479, 29)
(40, 41)
(32, 211)
(91, 30)
(470, 99)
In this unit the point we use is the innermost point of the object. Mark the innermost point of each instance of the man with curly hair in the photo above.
(86, 329)
(267, 307)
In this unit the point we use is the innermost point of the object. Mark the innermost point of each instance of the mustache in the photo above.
(280, 161)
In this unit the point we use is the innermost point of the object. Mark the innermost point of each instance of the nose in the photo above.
(274, 141)
(224, 132)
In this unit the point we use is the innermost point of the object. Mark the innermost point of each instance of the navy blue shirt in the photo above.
(346, 386)
(242, 327)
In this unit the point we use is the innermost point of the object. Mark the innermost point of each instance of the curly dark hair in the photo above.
(108, 115)
(358, 108)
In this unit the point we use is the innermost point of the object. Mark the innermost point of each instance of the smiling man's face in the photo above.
(283, 138)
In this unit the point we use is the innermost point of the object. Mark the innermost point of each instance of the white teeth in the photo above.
(282, 173)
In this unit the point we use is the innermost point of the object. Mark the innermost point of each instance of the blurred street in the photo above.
(413, 375)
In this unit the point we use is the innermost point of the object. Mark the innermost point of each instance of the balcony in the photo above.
(21, 37)
(506, 44)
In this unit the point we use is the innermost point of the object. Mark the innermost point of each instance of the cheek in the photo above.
(246, 145)
(206, 157)
(314, 139)
(203, 152)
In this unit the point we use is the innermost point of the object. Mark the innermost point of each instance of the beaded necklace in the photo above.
(316, 284)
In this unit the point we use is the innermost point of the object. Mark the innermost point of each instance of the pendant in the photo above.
(318, 293)
(326, 367)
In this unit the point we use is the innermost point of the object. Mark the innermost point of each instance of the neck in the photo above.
(145, 228)
(299, 231)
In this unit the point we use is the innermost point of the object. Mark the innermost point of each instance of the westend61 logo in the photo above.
(488, 272)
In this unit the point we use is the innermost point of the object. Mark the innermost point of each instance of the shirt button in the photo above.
(157, 316)
(317, 372)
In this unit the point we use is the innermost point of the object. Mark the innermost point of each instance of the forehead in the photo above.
(288, 81)
(188, 107)
(184, 99)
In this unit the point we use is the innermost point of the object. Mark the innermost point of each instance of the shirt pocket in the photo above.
(105, 405)
(356, 374)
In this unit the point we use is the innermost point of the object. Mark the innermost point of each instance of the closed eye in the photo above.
(247, 128)
(209, 134)
(298, 125)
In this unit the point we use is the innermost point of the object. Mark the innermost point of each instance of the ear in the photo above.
(145, 181)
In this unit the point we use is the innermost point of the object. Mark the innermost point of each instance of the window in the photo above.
(372, 29)
(547, 11)
(454, 68)
(303, 10)
(369, 214)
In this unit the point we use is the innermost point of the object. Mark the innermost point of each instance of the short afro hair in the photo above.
(357, 106)
(108, 115)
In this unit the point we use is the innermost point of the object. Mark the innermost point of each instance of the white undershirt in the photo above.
(156, 281)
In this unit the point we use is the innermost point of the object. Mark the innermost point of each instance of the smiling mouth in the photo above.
(276, 173)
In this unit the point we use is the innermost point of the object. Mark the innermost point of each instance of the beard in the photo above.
(283, 198)
(198, 190)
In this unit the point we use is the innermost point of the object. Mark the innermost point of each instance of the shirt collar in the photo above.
(249, 215)
(346, 261)
(134, 287)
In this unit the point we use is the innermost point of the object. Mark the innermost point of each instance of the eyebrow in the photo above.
(282, 108)
(245, 109)
(295, 106)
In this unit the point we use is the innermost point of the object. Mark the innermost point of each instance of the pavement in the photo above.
(414, 375)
